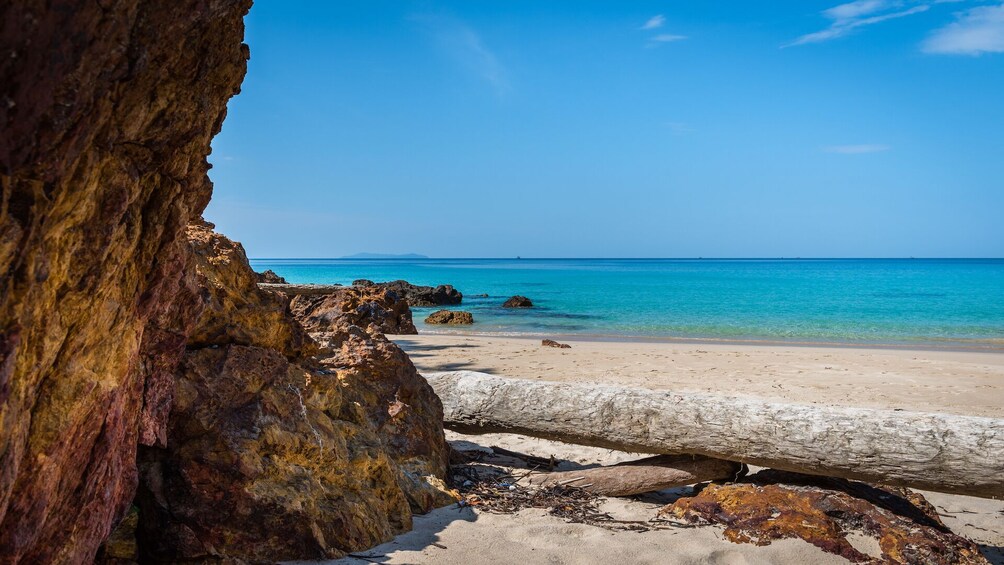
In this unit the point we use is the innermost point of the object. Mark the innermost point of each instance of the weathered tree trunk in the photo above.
(940, 452)
(645, 475)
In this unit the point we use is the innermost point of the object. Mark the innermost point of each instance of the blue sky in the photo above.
(614, 129)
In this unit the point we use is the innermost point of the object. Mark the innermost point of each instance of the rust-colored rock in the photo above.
(237, 311)
(773, 505)
(273, 455)
(355, 305)
(107, 113)
(552, 343)
(518, 302)
(451, 317)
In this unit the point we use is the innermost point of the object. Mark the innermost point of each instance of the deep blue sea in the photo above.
(950, 302)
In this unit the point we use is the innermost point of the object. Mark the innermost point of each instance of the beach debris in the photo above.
(452, 317)
(941, 452)
(644, 475)
(552, 343)
(898, 524)
(518, 302)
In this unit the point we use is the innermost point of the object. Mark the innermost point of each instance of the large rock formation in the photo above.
(254, 450)
(351, 305)
(418, 296)
(107, 111)
(272, 454)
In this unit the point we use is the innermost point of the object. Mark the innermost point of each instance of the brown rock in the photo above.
(453, 317)
(355, 305)
(552, 343)
(270, 277)
(107, 114)
(237, 311)
(773, 505)
(418, 296)
(272, 455)
(518, 302)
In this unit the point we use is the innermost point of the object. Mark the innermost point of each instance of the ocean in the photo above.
(934, 302)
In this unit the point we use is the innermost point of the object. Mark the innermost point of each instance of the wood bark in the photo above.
(645, 475)
(931, 451)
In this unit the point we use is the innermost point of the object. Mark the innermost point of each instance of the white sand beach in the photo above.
(946, 381)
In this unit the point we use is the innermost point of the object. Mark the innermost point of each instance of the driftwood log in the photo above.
(939, 452)
(644, 475)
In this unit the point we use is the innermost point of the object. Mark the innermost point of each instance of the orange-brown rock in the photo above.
(237, 311)
(274, 455)
(451, 317)
(355, 305)
(773, 505)
(107, 111)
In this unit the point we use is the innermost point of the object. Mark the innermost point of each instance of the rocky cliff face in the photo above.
(114, 333)
(107, 110)
(273, 454)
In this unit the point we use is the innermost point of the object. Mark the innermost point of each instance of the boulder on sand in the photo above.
(518, 302)
(356, 305)
(452, 317)
(270, 277)
(552, 343)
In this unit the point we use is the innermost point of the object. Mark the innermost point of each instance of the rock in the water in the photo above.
(355, 305)
(418, 296)
(771, 505)
(552, 343)
(272, 455)
(454, 317)
(107, 115)
(270, 277)
(518, 302)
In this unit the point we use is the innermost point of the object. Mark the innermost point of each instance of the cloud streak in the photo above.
(463, 44)
(845, 18)
(857, 149)
(655, 22)
(974, 32)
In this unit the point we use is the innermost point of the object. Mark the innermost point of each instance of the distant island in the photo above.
(385, 256)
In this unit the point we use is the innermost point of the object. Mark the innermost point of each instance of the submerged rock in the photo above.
(355, 305)
(552, 343)
(862, 523)
(270, 277)
(418, 296)
(518, 302)
(453, 317)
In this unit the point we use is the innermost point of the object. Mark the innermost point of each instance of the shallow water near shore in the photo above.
(936, 302)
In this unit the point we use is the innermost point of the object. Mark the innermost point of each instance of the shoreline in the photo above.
(920, 346)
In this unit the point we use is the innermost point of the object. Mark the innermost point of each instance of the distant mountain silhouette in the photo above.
(385, 256)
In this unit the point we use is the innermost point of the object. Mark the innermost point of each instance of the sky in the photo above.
(873, 128)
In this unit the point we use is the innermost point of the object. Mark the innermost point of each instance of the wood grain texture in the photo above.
(939, 452)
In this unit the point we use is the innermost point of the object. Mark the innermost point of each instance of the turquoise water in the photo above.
(955, 302)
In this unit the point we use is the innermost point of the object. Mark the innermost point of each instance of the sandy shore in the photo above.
(957, 382)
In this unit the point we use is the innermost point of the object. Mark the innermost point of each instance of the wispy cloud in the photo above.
(975, 31)
(667, 38)
(466, 46)
(655, 22)
(857, 149)
(679, 128)
(845, 18)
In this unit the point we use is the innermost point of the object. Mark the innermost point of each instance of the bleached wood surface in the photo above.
(939, 452)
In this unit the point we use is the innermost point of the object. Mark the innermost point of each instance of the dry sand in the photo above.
(955, 382)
